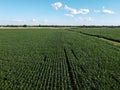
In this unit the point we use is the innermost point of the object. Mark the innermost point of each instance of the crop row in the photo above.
(57, 60)
(108, 33)
(92, 66)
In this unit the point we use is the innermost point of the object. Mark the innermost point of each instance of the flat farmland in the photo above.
(111, 33)
(59, 59)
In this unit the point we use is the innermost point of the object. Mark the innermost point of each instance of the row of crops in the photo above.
(47, 59)
(95, 67)
(108, 33)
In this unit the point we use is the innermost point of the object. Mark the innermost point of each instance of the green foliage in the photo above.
(58, 59)
(112, 33)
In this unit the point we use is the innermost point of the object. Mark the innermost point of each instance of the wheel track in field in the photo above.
(115, 42)
(73, 85)
(74, 54)
(110, 40)
(81, 67)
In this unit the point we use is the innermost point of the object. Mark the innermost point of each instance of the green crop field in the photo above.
(59, 59)
(112, 33)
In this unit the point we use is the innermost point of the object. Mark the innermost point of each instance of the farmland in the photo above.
(59, 59)
(111, 33)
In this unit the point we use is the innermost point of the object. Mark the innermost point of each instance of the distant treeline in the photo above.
(83, 26)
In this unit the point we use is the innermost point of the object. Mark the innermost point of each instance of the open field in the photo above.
(59, 59)
(112, 33)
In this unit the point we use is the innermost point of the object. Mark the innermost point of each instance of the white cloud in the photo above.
(75, 11)
(18, 20)
(83, 11)
(89, 19)
(71, 10)
(37, 21)
(106, 11)
(34, 20)
(57, 5)
(45, 21)
(69, 15)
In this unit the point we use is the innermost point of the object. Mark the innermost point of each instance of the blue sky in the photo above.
(60, 12)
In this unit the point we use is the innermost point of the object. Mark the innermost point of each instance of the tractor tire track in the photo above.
(100, 37)
(74, 54)
(73, 85)
(81, 66)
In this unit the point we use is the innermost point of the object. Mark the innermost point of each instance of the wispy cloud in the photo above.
(18, 20)
(89, 19)
(71, 10)
(106, 11)
(75, 11)
(57, 5)
(69, 15)
(83, 11)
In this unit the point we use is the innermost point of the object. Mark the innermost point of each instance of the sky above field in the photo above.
(60, 12)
